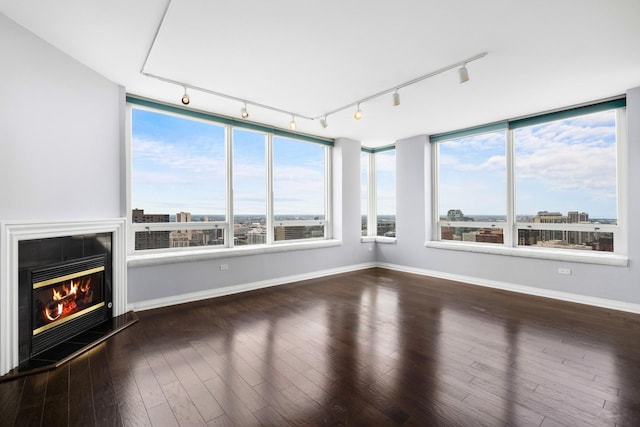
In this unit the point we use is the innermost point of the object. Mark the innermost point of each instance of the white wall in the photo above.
(586, 281)
(60, 150)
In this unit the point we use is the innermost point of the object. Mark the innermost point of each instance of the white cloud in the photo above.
(568, 164)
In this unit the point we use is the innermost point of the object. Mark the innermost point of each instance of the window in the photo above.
(365, 160)
(378, 192)
(177, 176)
(199, 180)
(472, 188)
(249, 187)
(565, 181)
(299, 185)
(547, 182)
(385, 164)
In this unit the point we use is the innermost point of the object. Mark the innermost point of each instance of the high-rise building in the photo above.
(545, 217)
(294, 232)
(183, 217)
(455, 215)
(490, 236)
(150, 239)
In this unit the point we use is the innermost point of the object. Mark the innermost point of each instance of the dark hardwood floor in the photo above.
(369, 348)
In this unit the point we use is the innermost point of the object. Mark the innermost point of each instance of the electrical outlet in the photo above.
(370, 249)
(224, 267)
(566, 271)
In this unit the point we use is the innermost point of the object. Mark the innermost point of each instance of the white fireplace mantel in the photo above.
(12, 232)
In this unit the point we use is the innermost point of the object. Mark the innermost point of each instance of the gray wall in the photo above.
(414, 206)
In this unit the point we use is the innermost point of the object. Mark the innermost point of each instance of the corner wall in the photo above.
(59, 130)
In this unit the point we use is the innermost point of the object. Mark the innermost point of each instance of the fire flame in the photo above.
(64, 297)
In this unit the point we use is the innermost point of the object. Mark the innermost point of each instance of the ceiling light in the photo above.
(292, 123)
(243, 112)
(358, 114)
(185, 98)
(463, 74)
(396, 98)
(323, 122)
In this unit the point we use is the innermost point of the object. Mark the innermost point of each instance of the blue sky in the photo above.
(179, 165)
(566, 165)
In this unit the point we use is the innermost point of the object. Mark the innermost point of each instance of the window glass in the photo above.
(178, 175)
(185, 192)
(249, 187)
(364, 191)
(472, 185)
(298, 189)
(386, 193)
(566, 174)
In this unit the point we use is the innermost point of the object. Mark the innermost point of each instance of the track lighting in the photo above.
(463, 73)
(185, 98)
(358, 114)
(323, 122)
(396, 98)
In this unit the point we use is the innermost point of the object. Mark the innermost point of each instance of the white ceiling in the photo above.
(310, 58)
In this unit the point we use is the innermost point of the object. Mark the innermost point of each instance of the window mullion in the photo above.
(372, 217)
(510, 233)
(435, 195)
(230, 235)
(328, 188)
(269, 220)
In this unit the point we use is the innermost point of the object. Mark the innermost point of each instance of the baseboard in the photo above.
(546, 293)
(528, 290)
(230, 290)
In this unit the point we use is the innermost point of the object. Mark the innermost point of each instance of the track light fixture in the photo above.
(396, 98)
(185, 98)
(463, 73)
(358, 114)
(323, 122)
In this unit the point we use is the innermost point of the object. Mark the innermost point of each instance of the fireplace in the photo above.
(58, 278)
(64, 289)
(67, 299)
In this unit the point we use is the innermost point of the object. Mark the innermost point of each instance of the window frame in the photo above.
(511, 246)
(372, 196)
(147, 256)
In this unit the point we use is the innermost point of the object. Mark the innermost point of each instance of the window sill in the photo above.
(378, 239)
(589, 257)
(143, 260)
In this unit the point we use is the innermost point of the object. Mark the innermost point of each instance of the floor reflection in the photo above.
(396, 349)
